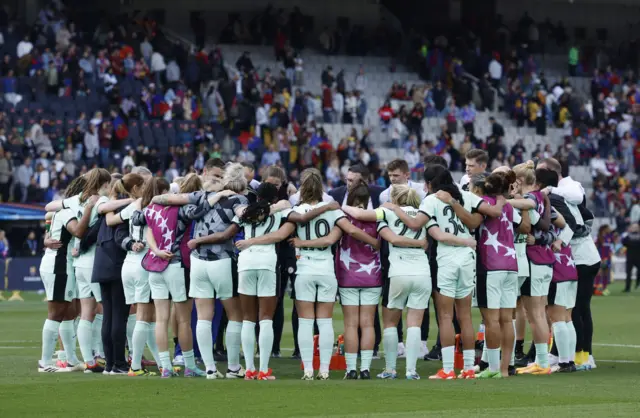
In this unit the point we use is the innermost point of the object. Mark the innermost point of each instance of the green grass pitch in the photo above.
(610, 390)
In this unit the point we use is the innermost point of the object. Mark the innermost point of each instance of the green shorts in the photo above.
(86, 289)
(58, 287)
(497, 290)
(170, 283)
(316, 288)
(457, 277)
(261, 283)
(537, 284)
(360, 296)
(409, 291)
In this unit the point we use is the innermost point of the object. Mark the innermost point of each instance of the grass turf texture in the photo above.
(610, 390)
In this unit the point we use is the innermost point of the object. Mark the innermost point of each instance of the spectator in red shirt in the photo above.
(386, 114)
(327, 104)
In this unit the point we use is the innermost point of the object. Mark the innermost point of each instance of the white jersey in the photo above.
(316, 261)
(260, 257)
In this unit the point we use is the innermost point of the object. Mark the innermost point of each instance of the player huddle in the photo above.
(508, 236)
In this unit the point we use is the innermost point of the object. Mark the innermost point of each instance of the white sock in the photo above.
(325, 344)
(512, 362)
(189, 359)
(85, 340)
(485, 354)
(305, 341)
(493, 354)
(165, 360)
(561, 335)
(131, 324)
(352, 361)
(151, 342)
(97, 335)
(205, 343)
(542, 355)
(139, 339)
(49, 338)
(448, 355)
(469, 357)
(232, 337)
(248, 336)
(413, 348)
(67, 334)
(390, 344)
(365, 359)
(265, 338)
(571, 331)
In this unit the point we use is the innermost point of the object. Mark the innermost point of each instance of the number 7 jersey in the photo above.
(316, 261)
(443, 216)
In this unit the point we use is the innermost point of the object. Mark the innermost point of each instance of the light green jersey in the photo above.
(316, 261)
(404, 261)
(85, 259)
(443, 216)
(260, 257)
(52, 259)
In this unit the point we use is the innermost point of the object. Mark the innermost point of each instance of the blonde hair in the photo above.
(526, 172)
(403, 195)
(212, 185)
(190, 183)
(311, 186)
(234, 178)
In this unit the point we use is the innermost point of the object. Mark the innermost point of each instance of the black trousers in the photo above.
(581, 315)
(114, 324)
(631, 263)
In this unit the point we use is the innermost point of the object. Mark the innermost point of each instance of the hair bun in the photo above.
(530, 164)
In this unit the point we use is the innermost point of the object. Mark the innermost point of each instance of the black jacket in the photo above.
(339, 193)
(111, 250)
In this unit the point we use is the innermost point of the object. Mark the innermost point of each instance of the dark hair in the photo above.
(248, 165)
(398, 164)
(435, 159)
(214, 162)
(498, 184)
(546, 177)
(552, 164)
(479, 155)
(311, 186)
(358, 194)
(259, 211)
(360, 169)
(440, 179)
(154, 187)
(75, 187)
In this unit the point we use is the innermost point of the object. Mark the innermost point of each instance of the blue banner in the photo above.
(22, 273)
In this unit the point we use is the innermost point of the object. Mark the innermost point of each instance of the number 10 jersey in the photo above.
(316, 261)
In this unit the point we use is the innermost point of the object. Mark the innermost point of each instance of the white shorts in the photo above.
(169, 284)
(360, 296)
(409, 292)
(135, 280)
(316, 288)
(563, 294)
(457, 279)
(216, 279)
(262, 283)
(497, 290)
(537, 284)
(58, 287)
(86, 289)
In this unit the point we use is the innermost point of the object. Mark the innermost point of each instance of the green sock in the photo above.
(352, 360)
(49, 338)
(542, 355)
(85, 340)
(131, 324)
(390, 344)
(265, 338)
(165, 360)
(151, 342)
(96, 332)
(325, 342)
(365, 359)
(189, 360)
(66, 335)
(248, 337)
(413, 348)
(305, 341)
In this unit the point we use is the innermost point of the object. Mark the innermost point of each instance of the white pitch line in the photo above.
(16, 347)
(618, 361)
(618, 345)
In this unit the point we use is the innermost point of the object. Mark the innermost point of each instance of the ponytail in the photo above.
(257, 212)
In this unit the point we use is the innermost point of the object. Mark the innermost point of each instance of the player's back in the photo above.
(405, 261)
(259, 257)
(316, 260)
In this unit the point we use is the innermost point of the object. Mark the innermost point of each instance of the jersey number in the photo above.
(457, 227)
(271, 220)
(405, 228)
(321, 229)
